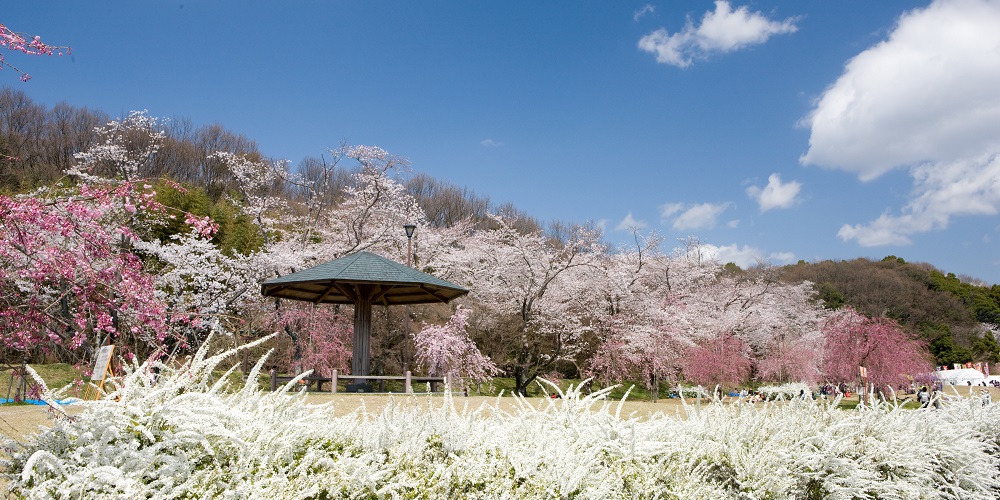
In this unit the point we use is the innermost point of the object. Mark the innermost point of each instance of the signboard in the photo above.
(101, 364)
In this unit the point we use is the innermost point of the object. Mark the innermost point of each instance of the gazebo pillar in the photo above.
(362, 332)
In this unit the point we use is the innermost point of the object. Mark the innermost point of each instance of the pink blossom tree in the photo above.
(723, 360)
(891, 356)
(788, 338)
(30, 45)
(633, 351)
(448, 348)
(72, 277)
(67, 283)
(317, 337)
(791, 362)
(779, 323)
(635, 340)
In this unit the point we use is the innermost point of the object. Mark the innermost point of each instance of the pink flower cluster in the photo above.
(19, 42)
(205, 226)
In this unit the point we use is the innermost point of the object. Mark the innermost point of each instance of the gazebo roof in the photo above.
(338, 282)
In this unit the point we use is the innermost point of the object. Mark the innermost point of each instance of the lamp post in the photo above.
(409, 228)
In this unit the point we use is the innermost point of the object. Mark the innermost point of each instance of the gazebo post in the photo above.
(362, 334)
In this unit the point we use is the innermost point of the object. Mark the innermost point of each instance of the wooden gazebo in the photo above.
(362, 279)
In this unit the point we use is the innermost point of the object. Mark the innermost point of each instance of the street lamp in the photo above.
(409, 228)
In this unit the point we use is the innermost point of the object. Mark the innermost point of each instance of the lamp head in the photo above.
(409, 229)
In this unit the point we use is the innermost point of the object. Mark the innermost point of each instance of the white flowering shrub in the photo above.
(185, 437)
(692, 392)
(785, 391)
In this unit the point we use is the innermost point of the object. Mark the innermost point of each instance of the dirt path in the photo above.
(19, 421)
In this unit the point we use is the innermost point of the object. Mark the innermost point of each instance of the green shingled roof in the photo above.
(338, 282)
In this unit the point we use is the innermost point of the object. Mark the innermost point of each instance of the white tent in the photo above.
(961, 376)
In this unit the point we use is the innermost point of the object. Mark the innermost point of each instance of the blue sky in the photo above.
(770, 130)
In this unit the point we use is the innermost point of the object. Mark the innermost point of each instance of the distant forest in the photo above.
(37, 145)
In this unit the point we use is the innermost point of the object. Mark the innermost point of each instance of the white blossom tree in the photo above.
(531, 294)
(636, 340)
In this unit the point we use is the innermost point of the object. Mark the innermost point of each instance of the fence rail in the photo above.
(408, 379)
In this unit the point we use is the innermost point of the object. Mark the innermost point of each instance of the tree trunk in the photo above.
(521, 381)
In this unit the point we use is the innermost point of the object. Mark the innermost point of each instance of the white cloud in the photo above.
(629, 223)
(926, 99)
(745, 256)
(781, 257)
(964, 187)
(930, 93)
(775, 194)
(669, 209)
(704, 215)
(646, 9)
(723, 30)
(490, 143)
(886, 230)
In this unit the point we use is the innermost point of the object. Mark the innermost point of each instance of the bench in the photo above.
(408, 379)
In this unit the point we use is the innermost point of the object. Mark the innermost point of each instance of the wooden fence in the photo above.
(408, 379)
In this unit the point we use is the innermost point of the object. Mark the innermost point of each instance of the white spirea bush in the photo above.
(184, 437)
(785, 391)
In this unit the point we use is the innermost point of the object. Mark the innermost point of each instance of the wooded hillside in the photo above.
(943, 309)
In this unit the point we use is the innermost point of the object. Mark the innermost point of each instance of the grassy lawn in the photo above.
(58, 375)
(55, 375)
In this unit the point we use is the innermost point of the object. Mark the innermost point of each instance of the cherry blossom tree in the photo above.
(197, 280)
(779, 323)
(375, 205)
(124, 153)
(308, 220)
(532, 294)
(66, 281)
(788, 338)
(75, 257)
(891, 356)
(723, 360)
(636, 341)
(791, 361)
(304, 223)
(733, 302)
(27, 44)
(316, 337)
(632, 350)
(448, 348)
(257, 188)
